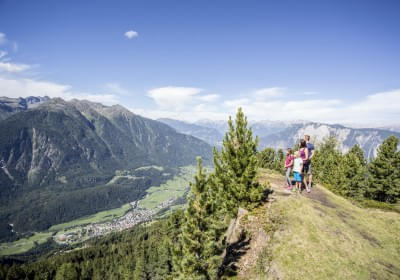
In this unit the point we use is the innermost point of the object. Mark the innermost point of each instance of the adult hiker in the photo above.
(303, 152)
(307, 166)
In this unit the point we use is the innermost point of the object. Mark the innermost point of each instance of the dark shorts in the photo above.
(307, 167)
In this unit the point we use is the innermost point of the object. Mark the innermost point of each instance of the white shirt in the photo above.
(297, 165)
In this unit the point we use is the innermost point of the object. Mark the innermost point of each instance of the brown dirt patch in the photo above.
(345, 219)
(318, 195)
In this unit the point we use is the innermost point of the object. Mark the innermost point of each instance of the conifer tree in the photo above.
(202, 237)
(328, 164)
(384, 174)
(355, 173)
(236, 167)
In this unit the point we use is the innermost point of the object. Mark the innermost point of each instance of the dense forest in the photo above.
(191, 244)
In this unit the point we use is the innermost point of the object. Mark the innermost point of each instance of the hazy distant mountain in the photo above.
(280, 135)
(209, 134)
(395, 128)
(57, 159)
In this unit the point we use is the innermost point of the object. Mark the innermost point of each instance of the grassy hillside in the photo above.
(319, 236)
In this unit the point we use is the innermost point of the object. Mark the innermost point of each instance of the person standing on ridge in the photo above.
(307, 165)
(288, 166)
(303, 151)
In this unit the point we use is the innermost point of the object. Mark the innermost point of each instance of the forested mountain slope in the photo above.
(57, 158)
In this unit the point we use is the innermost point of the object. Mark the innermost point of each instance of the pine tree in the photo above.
(66, 271)
(202, 237)
(384, 174)
(328, 164)
(236, 167)
(355, 173)
(266, 158)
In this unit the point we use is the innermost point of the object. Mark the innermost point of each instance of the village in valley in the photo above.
(133, 217)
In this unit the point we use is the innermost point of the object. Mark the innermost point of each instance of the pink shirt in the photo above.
(289, 158)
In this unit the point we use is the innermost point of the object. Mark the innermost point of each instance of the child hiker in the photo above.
(288, 166)
(297, 170)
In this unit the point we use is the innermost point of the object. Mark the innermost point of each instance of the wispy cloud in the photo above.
(2, 54)
(117, 89)
(267, 93)
(209, 97)
(3, 39)
(22, 87)
(174, 98)
(131, 34)
(13, 67)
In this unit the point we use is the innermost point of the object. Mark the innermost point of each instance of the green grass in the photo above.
(24, 244)
(325, 236)
(173, 188)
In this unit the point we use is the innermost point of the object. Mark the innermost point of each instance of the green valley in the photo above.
(159, 199)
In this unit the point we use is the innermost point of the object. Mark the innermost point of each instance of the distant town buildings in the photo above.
(133, 217)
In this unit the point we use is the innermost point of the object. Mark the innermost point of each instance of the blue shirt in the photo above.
(310, 148)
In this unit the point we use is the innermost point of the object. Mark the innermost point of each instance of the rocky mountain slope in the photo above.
(281, 135)
(58, 159)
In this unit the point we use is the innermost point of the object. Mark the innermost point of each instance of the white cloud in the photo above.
(2, 54)
(29, 87)
(209, 97)
(267, 93)
(3, 39)
(174, 98)
(131, 34)
(13, 67)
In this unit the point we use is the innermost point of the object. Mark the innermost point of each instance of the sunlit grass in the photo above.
(328, 237)
(24, 244)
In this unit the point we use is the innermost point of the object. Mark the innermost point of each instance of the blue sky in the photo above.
(331, 61)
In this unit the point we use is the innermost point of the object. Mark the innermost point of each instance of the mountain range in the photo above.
(281, 135)
(59, 159)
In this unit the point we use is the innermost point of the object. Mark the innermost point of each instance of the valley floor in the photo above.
(317, 236)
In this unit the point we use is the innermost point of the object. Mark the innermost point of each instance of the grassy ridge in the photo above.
(324, 236)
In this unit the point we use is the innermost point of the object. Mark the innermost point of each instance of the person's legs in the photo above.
(309, 176)
(305, 182)
(288, 180)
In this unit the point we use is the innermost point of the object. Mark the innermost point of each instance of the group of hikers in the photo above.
(300, 163)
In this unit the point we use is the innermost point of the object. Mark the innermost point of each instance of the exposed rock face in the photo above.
(235, 228)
